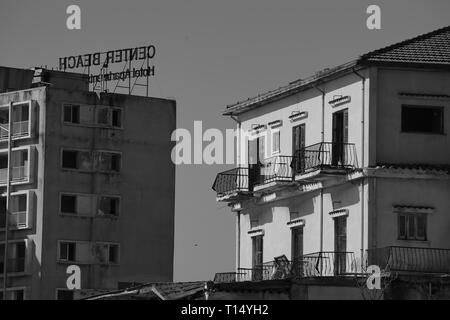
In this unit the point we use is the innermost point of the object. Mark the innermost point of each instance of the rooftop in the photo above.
(431, 50)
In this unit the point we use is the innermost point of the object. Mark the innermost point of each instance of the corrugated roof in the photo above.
(432, 48)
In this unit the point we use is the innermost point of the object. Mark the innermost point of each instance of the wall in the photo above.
(145, 226)
(394, 146)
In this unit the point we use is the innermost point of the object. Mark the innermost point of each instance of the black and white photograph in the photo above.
(215, 152)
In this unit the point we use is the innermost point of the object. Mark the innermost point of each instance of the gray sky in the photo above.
(209, 54)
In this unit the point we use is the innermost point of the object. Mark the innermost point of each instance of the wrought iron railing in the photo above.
(410, 259)
(231, 181)
(320, 264)
(325, 155)
(328, 264)
(17, 174)
(277, 168)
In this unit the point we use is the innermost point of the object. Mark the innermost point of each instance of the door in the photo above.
(298, 147)
(257, 258)
(340, 138)
(340, 244)
(256, 155)
(297, 251)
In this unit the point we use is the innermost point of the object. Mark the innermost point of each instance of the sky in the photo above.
(210, 54)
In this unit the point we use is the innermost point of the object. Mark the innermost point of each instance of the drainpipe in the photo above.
(238, 214)
(363, 90)
(322, 134)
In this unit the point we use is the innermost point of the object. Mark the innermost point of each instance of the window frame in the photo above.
(119, 206)
(109, 245)
(276, 151)
(59, 258)
(415, 216)
(441, 130)
(71, 106)
(98, 165)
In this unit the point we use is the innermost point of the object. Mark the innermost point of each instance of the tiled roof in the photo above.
(428, 49)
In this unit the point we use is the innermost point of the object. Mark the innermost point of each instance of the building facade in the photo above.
(92, 185)
(347, 168)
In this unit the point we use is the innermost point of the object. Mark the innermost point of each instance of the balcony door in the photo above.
(257, 258)
(298, 145)
(340, 244)
(256, 155)
(297, 251)
(340, 137)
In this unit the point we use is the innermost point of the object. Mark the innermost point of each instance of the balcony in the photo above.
(17, 174)
(411, 259)
(320, 264)
(271, 173)
(19, 129)
(325, 158)
(232, 184)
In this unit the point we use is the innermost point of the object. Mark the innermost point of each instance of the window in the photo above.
(276, 142)
(64, 294)
(108, 253)
(107, 116)
(16, 257)
(67, 251)
(71, 113)
(68, 204)
(79, 160)
(412, 226)
(108, 206)
(13, 294)
(422, 119)
(69, 159)
(109, 162)
(117, 118)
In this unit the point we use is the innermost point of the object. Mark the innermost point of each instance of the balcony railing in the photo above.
(14, 265)
(15, 219)
(325, 155)
(232, 181)
(17, 174)
(19, 129)
(411, 259)
(275, 169)
(320, 264)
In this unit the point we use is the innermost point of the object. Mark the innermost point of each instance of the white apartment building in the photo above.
(347, 168)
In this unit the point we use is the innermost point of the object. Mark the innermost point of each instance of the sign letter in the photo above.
(374, 280)
(74, 18)
(74, 280)
(374, 20)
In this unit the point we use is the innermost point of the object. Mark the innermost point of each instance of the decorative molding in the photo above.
(423, 96)
(275, 124)
(412, 209)
(297, 115)
(296, 223)
(256, 232)
(339, 100)
(339, 213)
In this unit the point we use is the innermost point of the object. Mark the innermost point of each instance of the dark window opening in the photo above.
(69, 204)
(423, 119)
(117, 118)
(67, 251)
(69, 159)
(113, 254)
(63, 294)
(72, 113)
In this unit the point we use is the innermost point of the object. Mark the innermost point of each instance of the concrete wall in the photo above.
(394, 146)
(415, 193)
(145, 226)
(32, 280)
